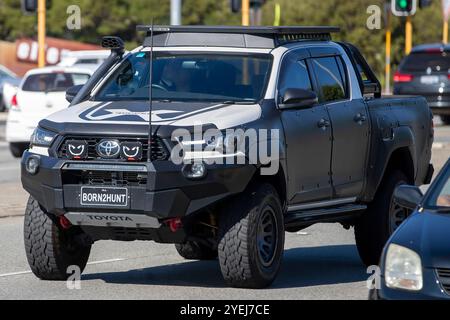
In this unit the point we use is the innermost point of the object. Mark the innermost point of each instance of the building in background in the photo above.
(21, 56)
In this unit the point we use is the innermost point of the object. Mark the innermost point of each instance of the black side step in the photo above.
(332, 214)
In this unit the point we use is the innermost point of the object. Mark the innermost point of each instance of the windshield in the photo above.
(189, 77)
(439, 196)
(60, 81)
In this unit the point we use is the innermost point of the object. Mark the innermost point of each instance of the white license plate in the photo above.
(104, 197)
(429, 79)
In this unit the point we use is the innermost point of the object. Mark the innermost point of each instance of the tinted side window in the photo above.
(294, 75)
(329, 79)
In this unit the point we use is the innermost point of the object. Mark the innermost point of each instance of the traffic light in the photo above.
(404, 8)
(29, 6)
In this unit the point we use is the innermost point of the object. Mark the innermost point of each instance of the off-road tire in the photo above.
(373, 228)
(192, 250)
(446, 120)
(239, 255)
(50, 249)
(17, 149)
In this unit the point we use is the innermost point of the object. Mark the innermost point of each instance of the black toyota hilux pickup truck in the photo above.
(254, 131)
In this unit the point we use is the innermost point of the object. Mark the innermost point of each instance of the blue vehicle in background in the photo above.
(415, 263)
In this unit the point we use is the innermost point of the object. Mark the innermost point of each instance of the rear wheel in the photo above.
(382, 217)
(50, 249)
(17, 148)
(445, 120)
(192, 250)
(251, 239)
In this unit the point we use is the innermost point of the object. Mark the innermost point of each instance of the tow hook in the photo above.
(174, 224)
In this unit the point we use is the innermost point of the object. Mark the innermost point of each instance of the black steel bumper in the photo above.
(166, 194)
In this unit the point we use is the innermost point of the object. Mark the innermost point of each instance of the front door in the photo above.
(308, 137)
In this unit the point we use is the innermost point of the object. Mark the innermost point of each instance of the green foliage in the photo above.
(119, 17)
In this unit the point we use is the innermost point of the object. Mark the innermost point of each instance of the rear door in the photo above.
(44, 93)
(349, 119)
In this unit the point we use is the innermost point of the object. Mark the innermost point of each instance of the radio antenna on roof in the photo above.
(150, 97)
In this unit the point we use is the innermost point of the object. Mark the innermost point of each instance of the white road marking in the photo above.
(106, 261)
(438, 145)
(89, 263)
(14, 273)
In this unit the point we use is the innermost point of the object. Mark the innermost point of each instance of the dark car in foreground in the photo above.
(416, 261)
(426, 72)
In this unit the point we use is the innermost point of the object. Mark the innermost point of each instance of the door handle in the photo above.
(323, 124)
(360, 118)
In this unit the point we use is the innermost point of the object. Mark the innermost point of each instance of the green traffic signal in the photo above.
(403, 4)
(404, 7)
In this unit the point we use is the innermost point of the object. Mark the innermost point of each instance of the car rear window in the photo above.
(421, 61)
(46, 82)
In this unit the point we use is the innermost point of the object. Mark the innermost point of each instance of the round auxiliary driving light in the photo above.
(32, 165)
(195, 171)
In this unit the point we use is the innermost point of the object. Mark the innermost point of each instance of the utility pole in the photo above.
(245, 13)
(445, 32)
(387, 77)
(445, 15)
(409, 35)
(41, 33)
(175, 12)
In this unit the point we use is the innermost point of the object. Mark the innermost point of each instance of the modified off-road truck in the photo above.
(335, 150)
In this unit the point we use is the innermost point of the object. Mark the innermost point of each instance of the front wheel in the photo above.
(50, 249)
(251, 241)
(17, 148)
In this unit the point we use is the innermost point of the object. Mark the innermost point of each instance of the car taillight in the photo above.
(403, 77)
(14, 104)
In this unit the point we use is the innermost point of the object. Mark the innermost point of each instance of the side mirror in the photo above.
(298, 99)
(408, 197)
(72, 92)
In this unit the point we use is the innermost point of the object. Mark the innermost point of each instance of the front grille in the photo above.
(104, 178)
(444, 279)
(159, 150)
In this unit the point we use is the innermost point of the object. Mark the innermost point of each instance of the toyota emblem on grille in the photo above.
(108, 149)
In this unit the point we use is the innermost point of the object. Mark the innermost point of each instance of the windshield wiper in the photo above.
(443, 210)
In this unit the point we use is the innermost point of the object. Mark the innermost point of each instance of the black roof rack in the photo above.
(234, 36)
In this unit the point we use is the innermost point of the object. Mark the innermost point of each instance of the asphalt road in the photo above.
(319, 263)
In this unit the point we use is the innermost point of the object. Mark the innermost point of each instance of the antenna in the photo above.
(150, 97)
